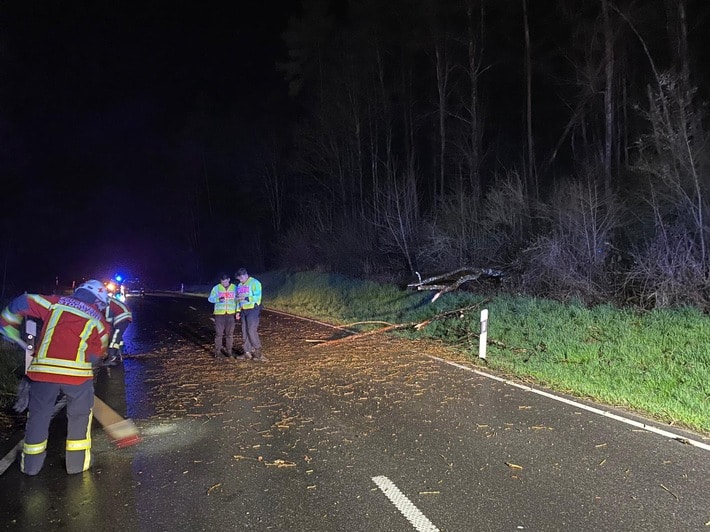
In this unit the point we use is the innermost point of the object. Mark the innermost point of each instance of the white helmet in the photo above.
(97, 288)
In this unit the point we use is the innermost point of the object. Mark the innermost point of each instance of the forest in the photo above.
(563, 142)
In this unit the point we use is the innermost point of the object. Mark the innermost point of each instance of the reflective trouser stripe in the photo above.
(78, 445)
(79, 449)
(33, 455)
(34, 448)
(43, 397)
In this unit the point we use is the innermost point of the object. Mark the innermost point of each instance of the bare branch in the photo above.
(459, 311)
(362, 335)
(455, 279)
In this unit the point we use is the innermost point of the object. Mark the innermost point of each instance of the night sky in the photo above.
(99, 102)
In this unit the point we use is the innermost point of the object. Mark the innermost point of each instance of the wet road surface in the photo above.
(294, 444)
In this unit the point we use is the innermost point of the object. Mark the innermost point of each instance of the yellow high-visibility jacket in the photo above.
(229, 305)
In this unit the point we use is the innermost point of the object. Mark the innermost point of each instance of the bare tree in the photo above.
(469, 134)
(443, 69)
(569, 258)
(608, 96)
(274, 185)
(398, 217)
(531, 170)
(673, 157)
(675, 160)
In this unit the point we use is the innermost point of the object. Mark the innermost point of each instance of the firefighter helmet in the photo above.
(97, 288)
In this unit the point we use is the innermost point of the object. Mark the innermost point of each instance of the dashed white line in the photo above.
(404, 505)
(604, 413)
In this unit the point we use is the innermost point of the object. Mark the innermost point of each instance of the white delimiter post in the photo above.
(484, 334)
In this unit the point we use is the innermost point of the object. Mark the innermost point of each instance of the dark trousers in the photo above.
(250, 332)
(224, 328)
(80, 401)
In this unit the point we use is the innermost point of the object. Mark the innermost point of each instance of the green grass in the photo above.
(656, 363)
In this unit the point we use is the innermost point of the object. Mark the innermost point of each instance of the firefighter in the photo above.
(74, 337)
(119, 317)
(224, 297)
(249, 300)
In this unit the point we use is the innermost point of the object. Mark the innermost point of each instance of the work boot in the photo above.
(245, 356)
(258, 357)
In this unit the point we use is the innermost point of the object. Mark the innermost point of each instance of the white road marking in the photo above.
(604, 413)
(404, 505)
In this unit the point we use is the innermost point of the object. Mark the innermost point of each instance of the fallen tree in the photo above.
(450, 281)
(397, 326)
(443, 283)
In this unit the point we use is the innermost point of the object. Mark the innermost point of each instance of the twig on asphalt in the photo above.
(363, 335)
(669, 491)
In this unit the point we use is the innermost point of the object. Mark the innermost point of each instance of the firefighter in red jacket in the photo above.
(119, 318)
(74, 337)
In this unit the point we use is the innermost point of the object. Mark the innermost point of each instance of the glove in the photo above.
(238, 316)
(23, 396)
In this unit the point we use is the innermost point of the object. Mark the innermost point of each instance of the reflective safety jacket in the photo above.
(119, 318)
(229, 304)
(249, 294)
(118, 312)
(74, 334)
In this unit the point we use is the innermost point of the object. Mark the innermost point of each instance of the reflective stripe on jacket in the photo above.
(249, 293)
(229, 305)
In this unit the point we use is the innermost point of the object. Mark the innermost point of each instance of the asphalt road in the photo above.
(366, 435)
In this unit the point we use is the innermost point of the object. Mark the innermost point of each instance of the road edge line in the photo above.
(576, 404)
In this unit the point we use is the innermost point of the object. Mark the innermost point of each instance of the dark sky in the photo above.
(97, 103)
